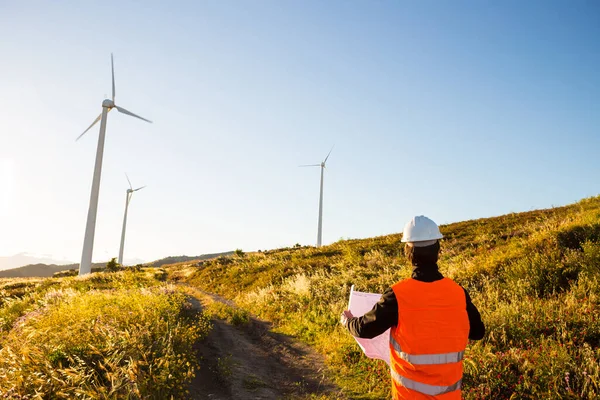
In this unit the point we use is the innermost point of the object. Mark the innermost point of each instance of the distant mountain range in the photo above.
(39, 268)
(21, 259)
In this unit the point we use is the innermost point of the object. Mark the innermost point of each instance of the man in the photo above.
(431, 319)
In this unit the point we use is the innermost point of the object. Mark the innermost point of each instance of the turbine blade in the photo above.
(112, 67)
(328, 154)
(124, 111)
(140, 188)
(130, 187)
(90, 127)
(310, 165)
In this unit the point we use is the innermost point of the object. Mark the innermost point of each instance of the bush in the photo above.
(239, 253)
(235, 316)
(112, 265)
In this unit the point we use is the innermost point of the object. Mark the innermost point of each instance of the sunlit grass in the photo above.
(119, 335)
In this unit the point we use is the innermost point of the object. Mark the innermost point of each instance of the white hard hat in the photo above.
(421, 231)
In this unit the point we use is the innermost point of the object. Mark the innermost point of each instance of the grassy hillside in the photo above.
(534, 276)
(178, 259)
(114, 335)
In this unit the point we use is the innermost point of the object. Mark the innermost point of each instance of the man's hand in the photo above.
(344, 317)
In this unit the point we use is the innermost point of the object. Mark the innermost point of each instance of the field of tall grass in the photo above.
(534, 276)
(120, 335)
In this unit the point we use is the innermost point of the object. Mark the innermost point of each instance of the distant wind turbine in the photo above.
(322, 165)
(88, 243)
(127, 200)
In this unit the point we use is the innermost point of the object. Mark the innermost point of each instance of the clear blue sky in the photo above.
(452, 109)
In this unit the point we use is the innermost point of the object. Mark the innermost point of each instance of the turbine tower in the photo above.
(322, 165)
(127, 200)
(85, 267)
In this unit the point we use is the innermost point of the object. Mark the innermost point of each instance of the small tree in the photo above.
(112, 265)
(239, 252)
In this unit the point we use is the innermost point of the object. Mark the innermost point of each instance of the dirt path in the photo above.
(251, 362)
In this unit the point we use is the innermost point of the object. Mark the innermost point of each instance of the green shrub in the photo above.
(239, 253)
(112, 265)
(235, 316)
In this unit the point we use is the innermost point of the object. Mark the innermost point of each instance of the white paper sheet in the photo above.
(378, 347)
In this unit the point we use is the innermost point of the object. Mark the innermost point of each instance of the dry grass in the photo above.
(102, 336)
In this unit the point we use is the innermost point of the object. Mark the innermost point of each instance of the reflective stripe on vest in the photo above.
(431, 390)
(426, 359)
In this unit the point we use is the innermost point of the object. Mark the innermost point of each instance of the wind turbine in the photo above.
(88, 243)
(322, 165)
(127, 200)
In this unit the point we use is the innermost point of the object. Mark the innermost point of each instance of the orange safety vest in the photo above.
(428, 344)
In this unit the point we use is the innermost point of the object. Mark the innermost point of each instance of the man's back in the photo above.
(428, 343)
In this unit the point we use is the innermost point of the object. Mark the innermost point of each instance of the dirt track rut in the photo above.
(251, 362)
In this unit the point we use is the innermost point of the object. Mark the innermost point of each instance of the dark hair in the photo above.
(421, 256)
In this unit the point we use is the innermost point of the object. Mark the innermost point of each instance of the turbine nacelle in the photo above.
(108, 103)
(131, 189)
(322, 164)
